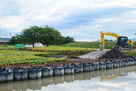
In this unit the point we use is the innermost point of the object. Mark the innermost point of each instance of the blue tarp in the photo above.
(20, 45)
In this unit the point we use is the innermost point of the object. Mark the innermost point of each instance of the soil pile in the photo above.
(114, 53)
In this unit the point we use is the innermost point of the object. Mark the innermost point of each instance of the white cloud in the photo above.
(78, 18)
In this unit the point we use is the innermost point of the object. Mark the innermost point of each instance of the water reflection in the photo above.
(37, 84)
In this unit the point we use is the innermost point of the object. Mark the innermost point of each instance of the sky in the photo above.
(80, 19)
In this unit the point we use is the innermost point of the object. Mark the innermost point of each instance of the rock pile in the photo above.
(114, 53)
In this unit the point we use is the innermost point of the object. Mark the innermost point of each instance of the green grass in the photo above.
(92, 45)
(25, 57)
(130, 53)
(6, 47)
(35, 55)
(58, 48)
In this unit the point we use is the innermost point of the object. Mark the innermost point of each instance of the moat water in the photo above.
(117, 79)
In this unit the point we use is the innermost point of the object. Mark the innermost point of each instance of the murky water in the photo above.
(117, 79)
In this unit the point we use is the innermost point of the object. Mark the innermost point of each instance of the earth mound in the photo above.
(114, 53)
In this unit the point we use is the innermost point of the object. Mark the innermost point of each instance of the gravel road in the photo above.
(93, 55)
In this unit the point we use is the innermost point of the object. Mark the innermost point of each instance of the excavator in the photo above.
(122, 42)
(111, 77)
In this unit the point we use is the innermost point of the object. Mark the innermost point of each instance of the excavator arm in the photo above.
(102, 37)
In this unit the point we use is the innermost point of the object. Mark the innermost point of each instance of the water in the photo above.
(117, 79)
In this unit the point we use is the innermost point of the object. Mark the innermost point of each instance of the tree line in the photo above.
(45, 35)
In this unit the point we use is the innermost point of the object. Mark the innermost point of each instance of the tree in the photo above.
(67, 40)
(16, 39)
(31, 35)
(50, 35)
(46, 35)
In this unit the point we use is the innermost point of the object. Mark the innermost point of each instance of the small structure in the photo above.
(20, 45)
(37, 44)
(4, 42)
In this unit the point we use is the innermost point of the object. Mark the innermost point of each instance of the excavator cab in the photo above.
(123, 42)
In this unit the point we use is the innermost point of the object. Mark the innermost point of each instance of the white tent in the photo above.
(38, 44)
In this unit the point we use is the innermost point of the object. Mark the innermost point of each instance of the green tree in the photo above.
(16, 39)
(50, 35)
(31, 35)
(67, 40)
(46, 35)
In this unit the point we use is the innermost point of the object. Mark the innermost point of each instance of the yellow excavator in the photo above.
(111, 77)
(108, 77)
(122, 41)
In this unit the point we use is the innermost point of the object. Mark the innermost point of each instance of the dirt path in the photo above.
(93, 55)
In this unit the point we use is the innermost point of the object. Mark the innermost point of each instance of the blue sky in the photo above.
(81, 19)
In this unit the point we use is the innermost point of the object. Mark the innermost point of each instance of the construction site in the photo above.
(122, 43)
(100, 59)
(68, 67)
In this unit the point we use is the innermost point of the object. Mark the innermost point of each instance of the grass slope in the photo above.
(109, 44)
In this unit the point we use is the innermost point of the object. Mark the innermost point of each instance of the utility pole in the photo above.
(0, 34)
(135, 42)
(9, 35)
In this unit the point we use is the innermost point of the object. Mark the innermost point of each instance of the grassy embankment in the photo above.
(95, 44)
(35, 56)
